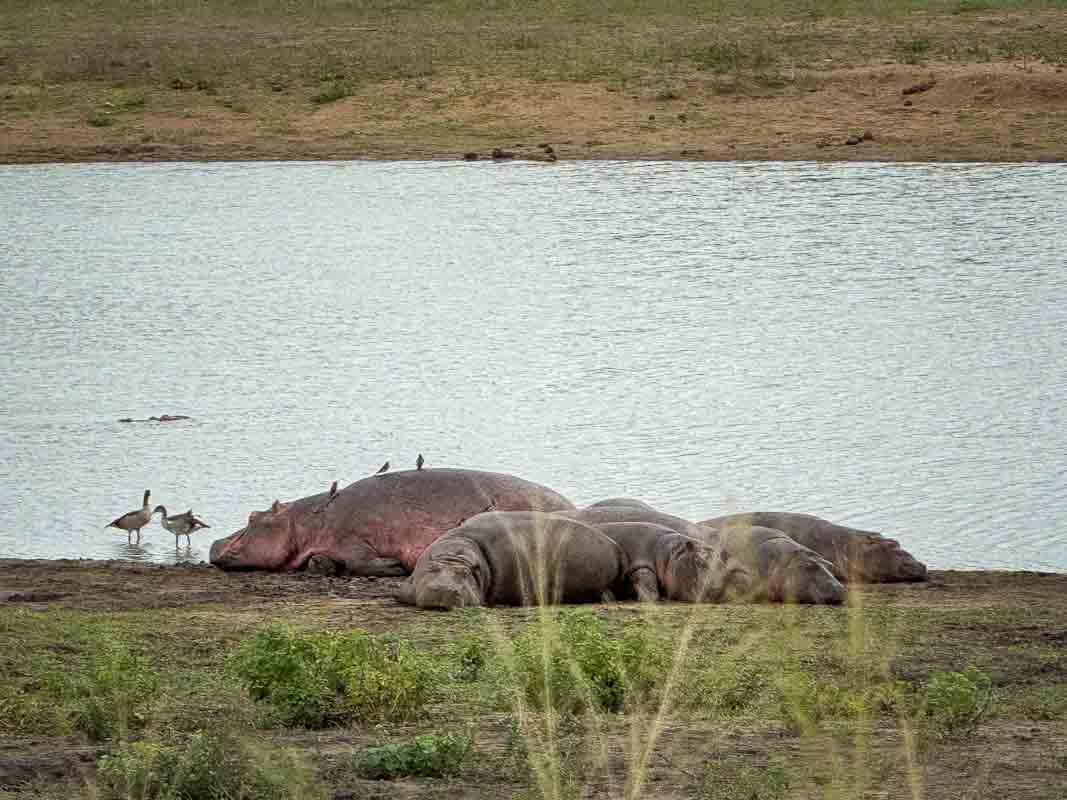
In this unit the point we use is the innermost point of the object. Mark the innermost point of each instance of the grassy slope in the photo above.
(448, 74)
(729, 710)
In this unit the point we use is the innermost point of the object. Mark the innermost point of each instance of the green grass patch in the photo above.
(318, 678)
(426, 756)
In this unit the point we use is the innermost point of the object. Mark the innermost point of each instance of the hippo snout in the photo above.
(221, 554)
(911, 569)
(448, 590)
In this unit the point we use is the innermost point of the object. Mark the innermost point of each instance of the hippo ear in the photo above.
(275, 507)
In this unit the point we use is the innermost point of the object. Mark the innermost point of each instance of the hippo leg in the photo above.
(379, 568)
(405, 593)
(645, 585)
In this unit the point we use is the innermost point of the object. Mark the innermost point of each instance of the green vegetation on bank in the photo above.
(534, 703)
(246, 53)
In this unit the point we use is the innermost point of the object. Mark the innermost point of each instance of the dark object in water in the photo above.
(164, 418)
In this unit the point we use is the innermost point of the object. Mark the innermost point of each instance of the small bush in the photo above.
(470, 657)
(726, 781)
(428, 756)
(205, 766)
(331, 91)
(100, 119)
(316, 679)
(912, 51)
(953, 704)
(572, 662)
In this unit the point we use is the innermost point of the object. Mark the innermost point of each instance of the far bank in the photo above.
(906, 80)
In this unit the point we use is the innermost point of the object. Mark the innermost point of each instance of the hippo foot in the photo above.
(323, 566)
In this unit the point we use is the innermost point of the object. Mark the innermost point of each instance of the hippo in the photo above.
(377, 526)
(776, 570)
(664, 564)
(780, 569)
(515, 558)
(855, 555)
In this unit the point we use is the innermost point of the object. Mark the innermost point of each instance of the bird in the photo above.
(181, 524)
(384, 468)
(134, 520)
(419, 461)
(333, 489)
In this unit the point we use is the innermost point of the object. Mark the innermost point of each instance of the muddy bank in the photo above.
(86, 584)
(1006, 111)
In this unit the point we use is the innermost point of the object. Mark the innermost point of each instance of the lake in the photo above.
(881, 345)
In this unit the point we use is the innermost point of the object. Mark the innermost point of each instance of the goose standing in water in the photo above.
(134, 520)
(181, 524)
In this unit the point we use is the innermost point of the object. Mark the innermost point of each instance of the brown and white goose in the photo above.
(133, 521)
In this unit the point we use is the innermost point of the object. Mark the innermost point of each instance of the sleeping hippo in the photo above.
(780, 569)
(776, 568)
(378, 525)
(515, 558)
(855, 555)
(664, 564)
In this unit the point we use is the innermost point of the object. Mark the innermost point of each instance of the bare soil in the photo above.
(1000, 112)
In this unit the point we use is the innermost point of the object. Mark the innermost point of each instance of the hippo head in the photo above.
(266, 542)
(877, 559)
(689, 575)
(805, 578)
(448, 583)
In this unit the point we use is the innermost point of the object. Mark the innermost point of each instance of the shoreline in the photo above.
(993, 112)
(14, 562)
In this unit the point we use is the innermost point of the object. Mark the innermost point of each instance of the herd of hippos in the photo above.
(471, 538)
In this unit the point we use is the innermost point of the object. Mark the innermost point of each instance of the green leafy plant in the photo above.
(427, 756)
(728, 781)
(331, 91)
(320, 678)
(100, 119)
(953, 704)
(571, 662)
(205, 766)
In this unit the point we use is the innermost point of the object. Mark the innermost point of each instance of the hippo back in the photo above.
(598, 515)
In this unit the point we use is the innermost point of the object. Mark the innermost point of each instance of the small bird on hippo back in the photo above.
(384, 468)
(419, 462)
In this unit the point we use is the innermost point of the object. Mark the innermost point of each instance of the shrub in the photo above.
(953, 704)
(428, 756)
(574, 663)
(100, 119)
(726, 781)
(205, 766)
(470, 658)
(315, 679)
(330, 91)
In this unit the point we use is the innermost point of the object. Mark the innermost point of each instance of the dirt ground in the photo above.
(1002, 613)
(1001, 111)
(90, 585)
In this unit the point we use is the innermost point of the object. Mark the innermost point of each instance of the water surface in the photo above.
(878, 344)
